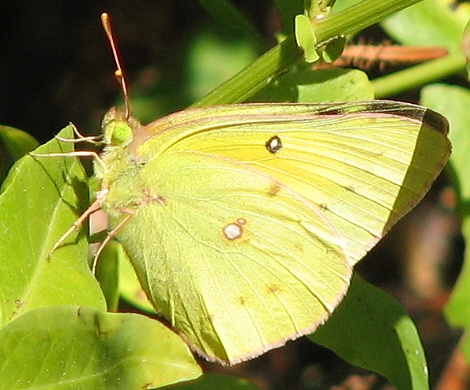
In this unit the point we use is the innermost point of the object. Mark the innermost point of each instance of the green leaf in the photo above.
(455, 108)
(428, 23)
(305, 38)
(372, 330)
(73, 347)
(14, 144)
(333, 49)
(42, 197)
(217, 381)
(457, 310)
(326, 85)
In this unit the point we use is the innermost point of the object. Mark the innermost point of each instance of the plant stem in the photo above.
(258, 74)
(418, 75)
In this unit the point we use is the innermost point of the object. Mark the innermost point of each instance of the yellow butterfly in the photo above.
(243, 222)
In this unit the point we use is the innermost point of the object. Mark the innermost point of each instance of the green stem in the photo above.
(257, 75)
(418, 75)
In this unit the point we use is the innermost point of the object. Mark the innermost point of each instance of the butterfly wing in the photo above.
(364, 164)
(247, 220)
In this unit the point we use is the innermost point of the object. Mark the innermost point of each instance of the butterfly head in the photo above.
(117, 128)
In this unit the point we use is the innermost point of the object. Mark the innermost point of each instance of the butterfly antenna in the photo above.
(119, 73)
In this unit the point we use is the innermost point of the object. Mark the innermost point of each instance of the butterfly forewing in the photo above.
(350, 160)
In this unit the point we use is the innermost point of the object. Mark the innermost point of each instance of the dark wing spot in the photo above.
(274, 189)
(274, 144)
(160, 199)
(323, 206)
(148, 198)
(350, 188)
(273, 288)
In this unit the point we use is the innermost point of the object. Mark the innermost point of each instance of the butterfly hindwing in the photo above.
(236, 268)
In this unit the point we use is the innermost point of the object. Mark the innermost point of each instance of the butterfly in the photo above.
(243, 222)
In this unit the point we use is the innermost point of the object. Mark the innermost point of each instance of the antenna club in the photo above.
(119, 73)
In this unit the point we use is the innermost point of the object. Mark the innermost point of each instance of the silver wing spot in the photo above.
(232, 231)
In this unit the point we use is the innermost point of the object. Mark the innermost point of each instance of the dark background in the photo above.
(56, 65)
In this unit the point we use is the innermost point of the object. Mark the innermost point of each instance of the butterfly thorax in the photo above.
(118, 168)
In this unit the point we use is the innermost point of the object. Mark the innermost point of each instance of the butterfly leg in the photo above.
(95, 206)
(95, 139)
(83, 153)
(108, 238)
